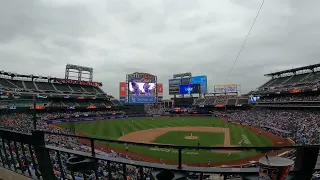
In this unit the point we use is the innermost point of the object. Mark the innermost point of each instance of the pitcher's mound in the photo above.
(191, 137)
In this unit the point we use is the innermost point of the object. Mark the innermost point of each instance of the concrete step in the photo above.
(6, 174)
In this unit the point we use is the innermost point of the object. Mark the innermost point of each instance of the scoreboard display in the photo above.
(189, 89)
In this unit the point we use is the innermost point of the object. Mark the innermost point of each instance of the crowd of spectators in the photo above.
(150, 109)
(290, 98)
(21, 122)
(291, 87)
(210, 100)
(58, 103)
(301, 125)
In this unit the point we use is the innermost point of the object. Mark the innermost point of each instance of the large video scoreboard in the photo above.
(189, 89)
(140, 88)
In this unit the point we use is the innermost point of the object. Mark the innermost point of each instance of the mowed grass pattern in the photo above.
(112, 129)
(178, 137)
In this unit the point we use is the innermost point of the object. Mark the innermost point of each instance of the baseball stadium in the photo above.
(71, 129)
(159, 90)
(181, 131)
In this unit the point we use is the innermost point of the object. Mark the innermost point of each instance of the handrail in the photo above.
(304, 163)
(156, 165)
(213, 170)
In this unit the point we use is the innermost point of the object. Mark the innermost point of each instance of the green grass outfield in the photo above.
(111, 129)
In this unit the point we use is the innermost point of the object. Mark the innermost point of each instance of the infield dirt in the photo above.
(147, 136)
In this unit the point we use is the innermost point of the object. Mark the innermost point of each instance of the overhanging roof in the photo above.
(24, 76)
(294, 70)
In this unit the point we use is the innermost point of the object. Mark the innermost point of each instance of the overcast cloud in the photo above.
(161, 37)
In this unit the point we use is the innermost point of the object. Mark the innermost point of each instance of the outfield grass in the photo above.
(111, 129)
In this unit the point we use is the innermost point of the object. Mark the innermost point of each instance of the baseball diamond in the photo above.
(186, 131)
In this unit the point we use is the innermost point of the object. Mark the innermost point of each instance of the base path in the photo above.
(147, 136)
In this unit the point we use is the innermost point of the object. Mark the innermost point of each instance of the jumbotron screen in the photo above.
(189, 89)
(142, 89)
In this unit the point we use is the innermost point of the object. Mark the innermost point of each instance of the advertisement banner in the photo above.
(70, 81)
(174, 86)
(229, 88)
(123, 89)
(123, 100)
(219, 89)
(38, 107)
(296, 91)
(219, 105)
(91, 107)
(141, 87)
(140, 99)
(160, 89)
(202, 80)
(175, 83)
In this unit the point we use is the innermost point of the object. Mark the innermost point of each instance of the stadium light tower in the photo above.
(76, 71)
(182, 75)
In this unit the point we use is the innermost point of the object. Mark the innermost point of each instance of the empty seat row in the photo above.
(295, 79)
(45, 86)
(6, 83)
(243, 101)
(231, 102)
(9, 83)
(292, 80)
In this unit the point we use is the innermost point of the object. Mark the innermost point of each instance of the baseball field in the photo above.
(187, 131)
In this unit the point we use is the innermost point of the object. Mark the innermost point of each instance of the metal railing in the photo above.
(28, 154)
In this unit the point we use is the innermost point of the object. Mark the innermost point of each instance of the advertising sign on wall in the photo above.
(141, 99)
(123, 100)
(202, 80)
(229, 88)
(123, 89)
(160, 90)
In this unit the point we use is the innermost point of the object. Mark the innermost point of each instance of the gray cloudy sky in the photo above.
(161, 37)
